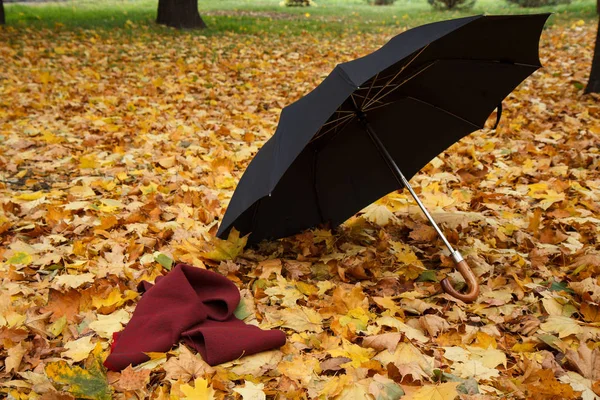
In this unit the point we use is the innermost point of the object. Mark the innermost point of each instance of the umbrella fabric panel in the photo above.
(401, 46)
(412, 132)
(302, 119)
(255, 183)
(465, 38)
(290, 208)
(351, 174)
(513, 39)
(470, 90)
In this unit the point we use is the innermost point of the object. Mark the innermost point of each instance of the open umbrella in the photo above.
(344, 145)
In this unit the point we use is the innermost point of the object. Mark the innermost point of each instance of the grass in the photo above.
(267, 16)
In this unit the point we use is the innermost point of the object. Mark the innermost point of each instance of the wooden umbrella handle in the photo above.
(471, 280)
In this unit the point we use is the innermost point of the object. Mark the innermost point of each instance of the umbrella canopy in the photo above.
(421, 92)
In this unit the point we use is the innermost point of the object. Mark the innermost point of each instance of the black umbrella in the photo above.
(342, 146)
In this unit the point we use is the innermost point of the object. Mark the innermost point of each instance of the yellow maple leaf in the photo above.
(301, 319)
(227, 249)
(88, 161)
(564, 326)
(200, 390)
(379, 214)
(106, 325)
(354, 352)
(114, 298)
(79, 349)
(405, 254)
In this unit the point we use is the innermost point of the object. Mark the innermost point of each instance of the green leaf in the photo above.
(560, 286)
(81, 383)
(468, 386)
(164, 260)
(385, 389)
(242, 311)
(20, 258)
(427, 276)
(551, 341)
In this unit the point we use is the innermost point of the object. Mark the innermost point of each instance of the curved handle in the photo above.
(471, 280)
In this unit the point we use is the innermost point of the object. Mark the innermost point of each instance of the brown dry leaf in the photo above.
(15, 356)
(387, 341)
(423, 233)
(585, 361)
(187, 366)
(434, 324)
(63, 304)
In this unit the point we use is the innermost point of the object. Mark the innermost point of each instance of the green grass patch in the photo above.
(268, 16)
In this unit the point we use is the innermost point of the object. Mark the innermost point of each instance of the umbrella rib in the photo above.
(402, 83)
(354, 101)
(332, 129)
(399, 72)
(339, 121)
(379, 106)
(369, 91)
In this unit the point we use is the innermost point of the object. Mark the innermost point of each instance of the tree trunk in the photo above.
(182, 14)
(593, 85)
(2, 19)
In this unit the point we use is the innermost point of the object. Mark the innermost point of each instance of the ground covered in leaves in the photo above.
(119, 152)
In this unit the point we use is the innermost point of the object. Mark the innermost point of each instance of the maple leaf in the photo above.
(63, 304)
(252, 391)
(106, 325)
(74, 281)
(301, 319)
(79, 349)
(187, 366)
(15, 355)
(355, 353)
(200, 390)
(564, 326)
(387, 341)
(585, 361)
(83, 383)
(257, 364)
(130, 379)
(227, 249)
(379, 214)
(383, 388)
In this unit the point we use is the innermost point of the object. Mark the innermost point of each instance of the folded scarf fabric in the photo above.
(195, 305)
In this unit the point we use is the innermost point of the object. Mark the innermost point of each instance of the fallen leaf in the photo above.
(187, 366)
(445, 391)
(252, 391)
(200, 390)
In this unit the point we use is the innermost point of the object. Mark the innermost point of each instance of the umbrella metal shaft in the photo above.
(401, 179)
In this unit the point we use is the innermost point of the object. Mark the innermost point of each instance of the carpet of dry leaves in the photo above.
(120, 151)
